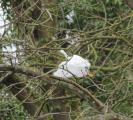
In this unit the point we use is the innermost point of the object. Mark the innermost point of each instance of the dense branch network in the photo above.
(79, 89)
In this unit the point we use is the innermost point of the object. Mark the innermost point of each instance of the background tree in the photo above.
(100, 31)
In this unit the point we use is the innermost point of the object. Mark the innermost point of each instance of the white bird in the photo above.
(73, 66)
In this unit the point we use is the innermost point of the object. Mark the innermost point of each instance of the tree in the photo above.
(97, 30)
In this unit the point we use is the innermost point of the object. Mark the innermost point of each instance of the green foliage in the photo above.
(87, 13)
(10, 110)
(115, 2)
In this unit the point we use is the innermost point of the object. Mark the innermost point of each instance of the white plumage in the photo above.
(73, 66)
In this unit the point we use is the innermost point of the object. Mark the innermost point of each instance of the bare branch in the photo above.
(49, 79)
(22, 94)
(107, 116)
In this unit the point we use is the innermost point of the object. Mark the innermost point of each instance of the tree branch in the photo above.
(49, 79)
(22, 94)
(108, 116)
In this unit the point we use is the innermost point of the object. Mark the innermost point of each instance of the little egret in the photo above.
(73, 66)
